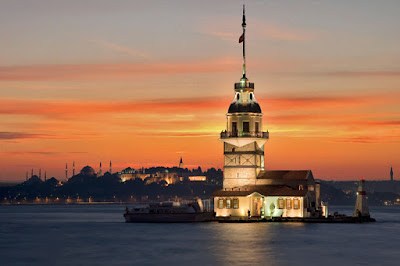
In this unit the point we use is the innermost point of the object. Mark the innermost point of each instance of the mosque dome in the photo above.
(237, 107)
(88, 171)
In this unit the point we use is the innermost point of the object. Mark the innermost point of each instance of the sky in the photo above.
(143, 83)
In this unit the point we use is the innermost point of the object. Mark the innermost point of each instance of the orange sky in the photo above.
(329, 96)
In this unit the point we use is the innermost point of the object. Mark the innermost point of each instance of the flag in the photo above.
(241, 39)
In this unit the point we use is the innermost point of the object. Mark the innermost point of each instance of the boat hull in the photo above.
(169, 217)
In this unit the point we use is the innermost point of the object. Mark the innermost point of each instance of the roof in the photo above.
(88, 171)
(285, 174)
(252, 107)
(263, 190)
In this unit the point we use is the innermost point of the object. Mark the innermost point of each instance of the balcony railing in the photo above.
(241, 134)
(243, 85)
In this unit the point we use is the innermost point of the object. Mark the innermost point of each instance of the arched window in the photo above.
(237, 96)
(251, 96)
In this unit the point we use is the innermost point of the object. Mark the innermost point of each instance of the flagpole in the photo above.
(244, 40)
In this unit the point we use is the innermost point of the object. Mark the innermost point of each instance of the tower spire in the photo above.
(243, 39)
(66, 171)
(73, 168)
(391, 173)
(110, 168)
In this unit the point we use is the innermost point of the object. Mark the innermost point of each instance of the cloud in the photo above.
(39, 153)
(113, 71)
(227, 30)
(121, 49)
(21, 135)
(182, 109)
(359, 73)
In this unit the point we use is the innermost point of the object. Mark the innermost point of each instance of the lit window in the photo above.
(220, 204)
(236, 203)
(228, 204)
(288, 204)
(296, 204)
(281, 204)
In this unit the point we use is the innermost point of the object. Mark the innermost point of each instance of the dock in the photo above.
(330, 219)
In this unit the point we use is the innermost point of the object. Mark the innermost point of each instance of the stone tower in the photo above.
(243, 138)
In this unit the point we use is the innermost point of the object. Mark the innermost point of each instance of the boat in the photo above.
(169, 212)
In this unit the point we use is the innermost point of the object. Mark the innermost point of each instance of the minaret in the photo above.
(110, 168)
(73, 168)
(26, 178)
(361, 208)
(32, 173)
(66, 171)
(40, 173)
(391, 173)
(100, 170)
(243, 138)
(45, 176)
(181, 163)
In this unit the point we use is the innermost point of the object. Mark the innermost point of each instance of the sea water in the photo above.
(97, 235)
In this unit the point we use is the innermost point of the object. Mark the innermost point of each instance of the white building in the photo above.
(248, 189)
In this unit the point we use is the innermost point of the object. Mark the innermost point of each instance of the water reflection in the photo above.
(245, 244)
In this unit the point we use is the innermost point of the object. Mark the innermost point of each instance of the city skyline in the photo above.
(145, 83)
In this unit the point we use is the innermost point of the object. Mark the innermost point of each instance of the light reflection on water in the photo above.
(97, 235)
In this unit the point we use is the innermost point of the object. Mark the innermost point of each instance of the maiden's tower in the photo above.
(249, 189)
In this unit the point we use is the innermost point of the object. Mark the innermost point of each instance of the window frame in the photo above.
(248, 126)
(235, 204)
(220, 203)
(228, 204)
(281, 200)
(289, 204)
(298, 204)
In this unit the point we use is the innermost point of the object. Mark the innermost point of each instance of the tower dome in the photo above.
(238, 107)
(88, 171)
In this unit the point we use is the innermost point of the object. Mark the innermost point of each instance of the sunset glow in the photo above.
(143, 84)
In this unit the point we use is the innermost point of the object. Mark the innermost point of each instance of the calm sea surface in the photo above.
(98, 235)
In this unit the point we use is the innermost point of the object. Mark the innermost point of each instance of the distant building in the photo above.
(249, 189)
(169, 177)
(391, 173)
(88, 171)
(181, 163)
(197, 178)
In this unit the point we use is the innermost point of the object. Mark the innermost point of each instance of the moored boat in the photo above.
(169, 212)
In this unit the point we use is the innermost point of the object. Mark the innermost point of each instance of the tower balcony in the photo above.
(244, 85)
(240, 134)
